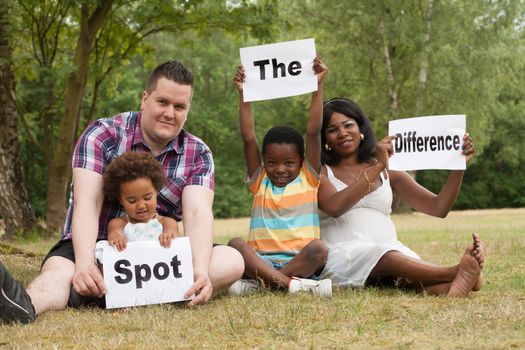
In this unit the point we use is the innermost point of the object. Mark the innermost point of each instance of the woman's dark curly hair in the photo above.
(130, 166)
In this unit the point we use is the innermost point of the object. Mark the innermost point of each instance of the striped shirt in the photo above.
(186, 160)
(284, 219)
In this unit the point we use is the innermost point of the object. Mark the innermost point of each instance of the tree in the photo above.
(76, 47)
(15, 208)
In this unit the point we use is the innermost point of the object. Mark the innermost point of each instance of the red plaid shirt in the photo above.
(187, 160)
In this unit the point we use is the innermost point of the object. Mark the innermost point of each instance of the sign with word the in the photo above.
(428, 143)
(278, 70)
(147, 273)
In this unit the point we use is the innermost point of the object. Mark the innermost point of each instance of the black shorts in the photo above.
(63, 249)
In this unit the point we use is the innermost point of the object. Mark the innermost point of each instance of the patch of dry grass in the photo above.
(372, 318)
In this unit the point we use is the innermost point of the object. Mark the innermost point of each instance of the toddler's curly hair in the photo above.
(130, 166)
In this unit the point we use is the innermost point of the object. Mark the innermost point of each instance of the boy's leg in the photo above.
(256, 268)
(310, 260)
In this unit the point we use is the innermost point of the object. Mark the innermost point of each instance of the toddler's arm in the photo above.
(116, 237)
(170, 230)
(315, 118)
(251, 148)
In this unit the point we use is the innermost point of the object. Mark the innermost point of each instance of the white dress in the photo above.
(360, 237)
(141, 231)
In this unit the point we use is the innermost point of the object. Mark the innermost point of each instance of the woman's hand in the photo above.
(468, 147)
(384, 150)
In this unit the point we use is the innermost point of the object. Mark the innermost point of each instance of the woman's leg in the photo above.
(256, 268)
(310, 260)
(455, 280)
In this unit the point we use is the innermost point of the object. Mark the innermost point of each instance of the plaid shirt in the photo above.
(187, 160)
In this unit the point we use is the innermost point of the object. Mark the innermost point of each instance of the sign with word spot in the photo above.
(433, 142)
(147, 273)
(278, 70)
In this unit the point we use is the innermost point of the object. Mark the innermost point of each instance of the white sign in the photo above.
(147, 273)
(278, 70)
(428, 143)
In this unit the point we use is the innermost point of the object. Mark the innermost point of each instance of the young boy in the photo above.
(283, 248)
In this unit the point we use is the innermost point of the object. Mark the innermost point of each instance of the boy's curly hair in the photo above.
(131, 166)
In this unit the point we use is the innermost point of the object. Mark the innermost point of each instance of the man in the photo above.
(188, 195)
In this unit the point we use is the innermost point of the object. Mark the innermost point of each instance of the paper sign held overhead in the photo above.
(433, 142)
(278, 70)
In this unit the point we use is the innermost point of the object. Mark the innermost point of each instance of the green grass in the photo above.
(372, 318)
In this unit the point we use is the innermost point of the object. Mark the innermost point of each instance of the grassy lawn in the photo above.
(493, 318)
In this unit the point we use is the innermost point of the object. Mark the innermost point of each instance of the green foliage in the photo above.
(475, 66)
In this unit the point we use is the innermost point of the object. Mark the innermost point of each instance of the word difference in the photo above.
(409, 142)
(294, 68)
(144, 272)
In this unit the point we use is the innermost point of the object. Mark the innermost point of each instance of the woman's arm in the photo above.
(336, 203)
(423, 200)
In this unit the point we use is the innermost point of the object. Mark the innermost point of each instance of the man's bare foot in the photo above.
(468, 274)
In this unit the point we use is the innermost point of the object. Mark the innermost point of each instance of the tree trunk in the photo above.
(423, 65)
(392, 89)
(15, 208)
(60, 167)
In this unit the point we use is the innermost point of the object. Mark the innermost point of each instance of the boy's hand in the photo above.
(320, 69)
(239, 78)
(166, 237)
(117, 240)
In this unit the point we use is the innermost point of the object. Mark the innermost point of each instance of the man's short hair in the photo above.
(171, 70)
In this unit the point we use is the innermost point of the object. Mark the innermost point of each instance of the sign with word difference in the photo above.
(428, 143)
(147, 273)
(278, 70)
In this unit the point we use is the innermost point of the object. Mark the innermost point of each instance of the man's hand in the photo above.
(202, 289)
(88, 281)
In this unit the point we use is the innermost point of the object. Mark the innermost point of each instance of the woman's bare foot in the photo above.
(480, 256)
(469, 274)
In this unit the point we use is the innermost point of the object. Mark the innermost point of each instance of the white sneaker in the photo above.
(244, 287)
(322, 288)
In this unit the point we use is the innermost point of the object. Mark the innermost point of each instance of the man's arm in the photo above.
(88, 197)
(197, 219)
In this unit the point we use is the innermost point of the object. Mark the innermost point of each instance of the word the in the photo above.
(161, 271)
(294, 68)
(409, 142)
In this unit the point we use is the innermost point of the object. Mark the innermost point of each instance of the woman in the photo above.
(356, 196)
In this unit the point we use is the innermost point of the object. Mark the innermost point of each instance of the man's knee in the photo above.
(58, 265)
(226, 266)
